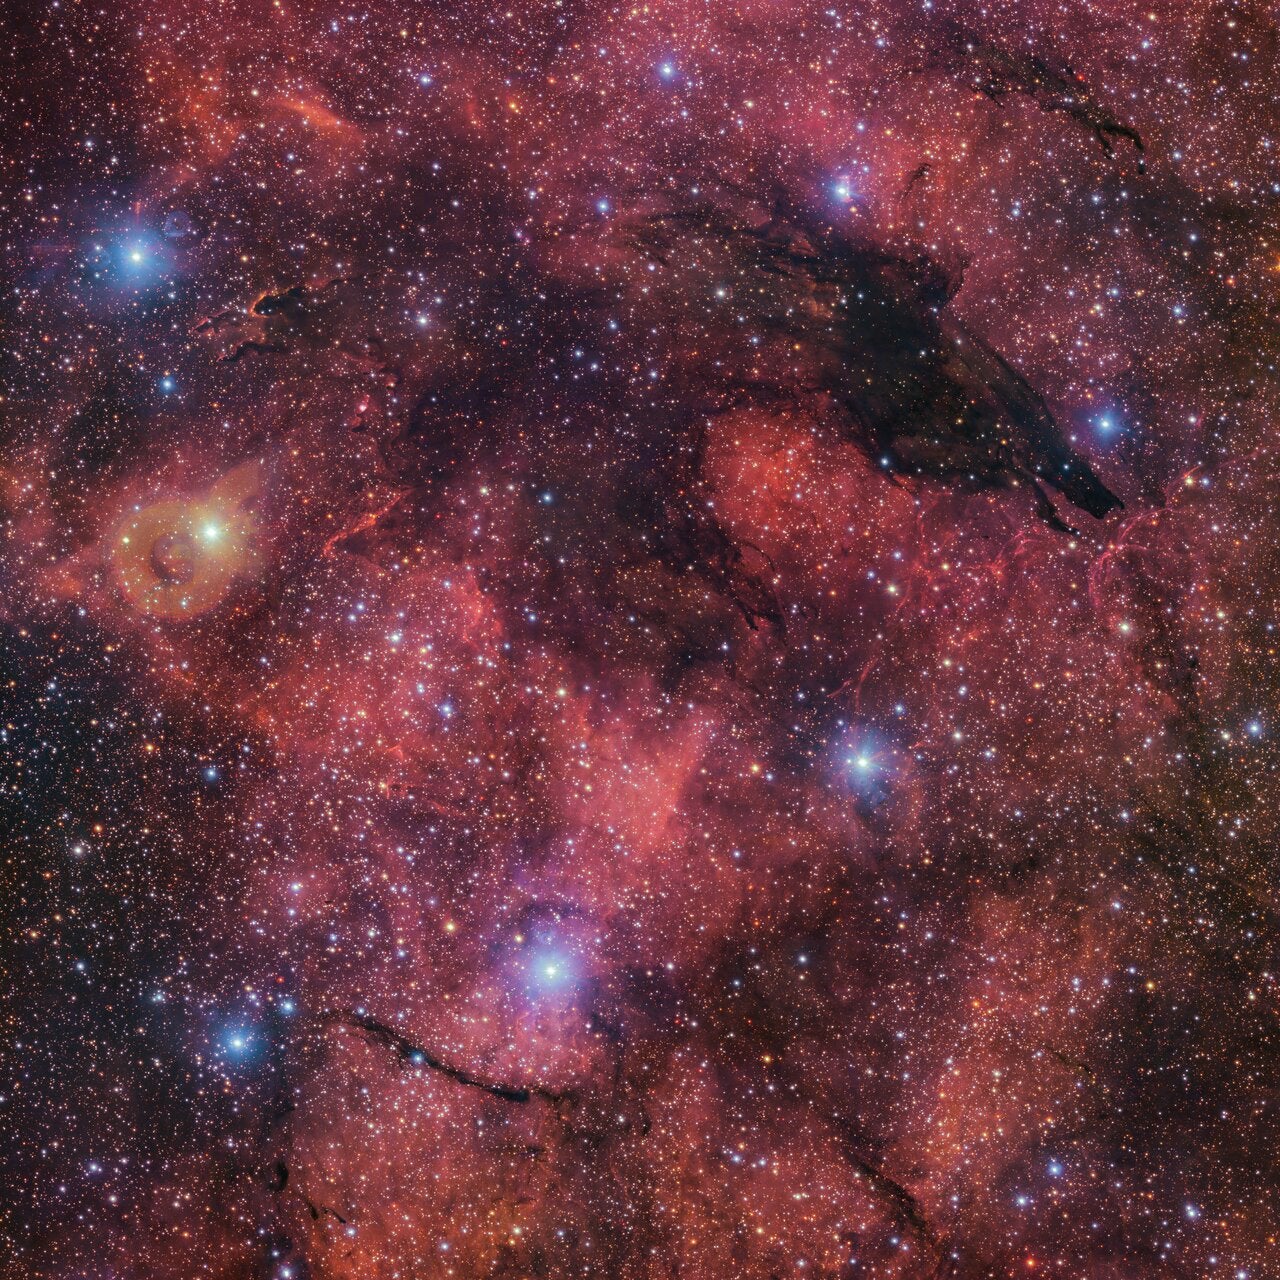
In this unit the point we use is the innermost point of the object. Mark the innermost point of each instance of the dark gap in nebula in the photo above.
(924, 396)
(417, 1056)
(998, 72)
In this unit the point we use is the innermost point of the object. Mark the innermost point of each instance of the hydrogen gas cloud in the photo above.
(639, 641)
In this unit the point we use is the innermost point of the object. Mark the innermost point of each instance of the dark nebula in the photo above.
(639, 643)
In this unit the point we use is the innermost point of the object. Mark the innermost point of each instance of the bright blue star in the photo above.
(867, 765)
(551, 970)
(238, 1044)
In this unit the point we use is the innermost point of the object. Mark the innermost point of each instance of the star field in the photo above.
(639, 640)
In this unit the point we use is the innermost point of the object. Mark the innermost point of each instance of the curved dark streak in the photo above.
(417, 1056)
(997, 72)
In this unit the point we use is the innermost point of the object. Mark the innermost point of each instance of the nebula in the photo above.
(639, 643)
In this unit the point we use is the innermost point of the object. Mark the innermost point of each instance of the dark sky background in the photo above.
(639, 640)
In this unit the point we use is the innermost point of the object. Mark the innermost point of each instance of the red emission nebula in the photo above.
(639, 640)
